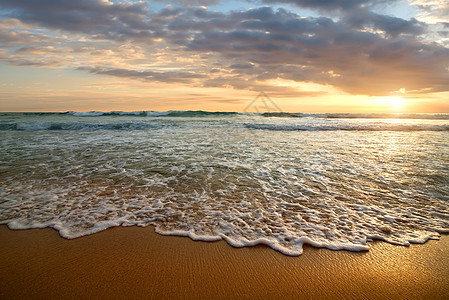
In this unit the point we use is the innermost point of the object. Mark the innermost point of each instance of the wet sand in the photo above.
(135, 262)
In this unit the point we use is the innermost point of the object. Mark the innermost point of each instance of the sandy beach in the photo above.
(135, 262)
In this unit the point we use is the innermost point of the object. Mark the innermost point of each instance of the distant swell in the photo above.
(359, 116)
(50, 126)
(388, 116)
(382, 127)
(189, 113)
(201, 113)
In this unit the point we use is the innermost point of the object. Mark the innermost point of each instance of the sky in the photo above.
(370, 56)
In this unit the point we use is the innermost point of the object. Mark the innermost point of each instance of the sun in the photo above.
(397, 103)
(392, 104)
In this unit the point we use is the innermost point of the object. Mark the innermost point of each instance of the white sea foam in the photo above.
(215, 178)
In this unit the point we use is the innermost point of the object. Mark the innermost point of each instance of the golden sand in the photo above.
(135, 262)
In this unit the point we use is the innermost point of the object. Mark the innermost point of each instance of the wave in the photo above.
(386, 116)
(346, 127)
(181, 113)
(202, 113)
(358, 116)
(50, 126)
(199, 113)
(283, 115)
(118, 113)
(211, 179)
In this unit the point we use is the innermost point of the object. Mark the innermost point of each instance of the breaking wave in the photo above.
(188, 113)
(50, 126)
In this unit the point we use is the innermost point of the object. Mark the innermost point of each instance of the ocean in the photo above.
(280, 179)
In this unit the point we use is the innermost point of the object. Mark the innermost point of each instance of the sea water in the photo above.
(283, 180)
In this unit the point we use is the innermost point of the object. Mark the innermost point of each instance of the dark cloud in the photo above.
(361, 18)
(171, 76)
(97, 18)
(330, 4)
(242, 66)
(193, 2)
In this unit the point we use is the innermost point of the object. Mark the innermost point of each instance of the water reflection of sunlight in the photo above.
(395, 121)
(391, 146)
(391, 152)
(398, 119)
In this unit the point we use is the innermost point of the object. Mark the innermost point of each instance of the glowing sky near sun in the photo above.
(309, 56)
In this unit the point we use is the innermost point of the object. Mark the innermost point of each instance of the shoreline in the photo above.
(135, 262)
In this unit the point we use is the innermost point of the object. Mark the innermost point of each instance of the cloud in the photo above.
(10, 37)
(362, 18)
(432, 11)
(183, 77)
(242, 66)
(331, 4)
(316, 49)
(98, 18)
(194, 2)
(362, 52)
